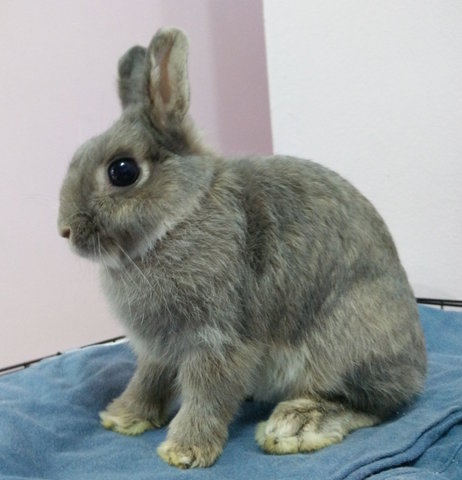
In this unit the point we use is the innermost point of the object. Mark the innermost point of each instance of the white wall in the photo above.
(57, 88)
(373, 89)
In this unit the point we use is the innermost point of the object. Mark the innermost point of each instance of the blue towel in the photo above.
(49, 426)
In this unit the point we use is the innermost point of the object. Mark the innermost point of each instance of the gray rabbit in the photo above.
(265, 277)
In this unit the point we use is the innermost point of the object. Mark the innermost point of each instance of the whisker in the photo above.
(137, 268)
(95, 252)
(100, 250)
(128, 288)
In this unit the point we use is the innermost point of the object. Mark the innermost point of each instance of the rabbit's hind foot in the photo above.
(306, 425)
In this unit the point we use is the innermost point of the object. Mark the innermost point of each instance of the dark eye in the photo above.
(123, 172)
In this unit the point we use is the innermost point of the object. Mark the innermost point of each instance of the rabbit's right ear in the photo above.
(167, 77)
(132, 82)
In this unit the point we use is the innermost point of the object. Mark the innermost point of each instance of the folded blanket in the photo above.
(49, 426)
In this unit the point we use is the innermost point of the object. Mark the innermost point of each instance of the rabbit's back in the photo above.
(309, 234)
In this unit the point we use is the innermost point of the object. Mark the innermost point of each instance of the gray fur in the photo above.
(131, 76)
(271, 277)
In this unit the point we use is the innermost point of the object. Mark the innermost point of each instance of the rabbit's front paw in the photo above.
(126, 418)
(124, 423)
(188, 456)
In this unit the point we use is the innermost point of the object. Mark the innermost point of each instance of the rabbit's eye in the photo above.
(123, 172)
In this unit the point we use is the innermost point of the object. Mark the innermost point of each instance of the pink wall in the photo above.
(58, 88)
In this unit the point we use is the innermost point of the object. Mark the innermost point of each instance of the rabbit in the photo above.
(271, 278)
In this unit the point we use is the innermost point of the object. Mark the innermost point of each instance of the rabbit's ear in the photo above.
(168, 85)
(132, 82)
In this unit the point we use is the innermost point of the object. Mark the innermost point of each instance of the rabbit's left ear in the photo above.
(168, 85)
(132, 82)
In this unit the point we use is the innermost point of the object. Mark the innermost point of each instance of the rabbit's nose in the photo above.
(65, 232)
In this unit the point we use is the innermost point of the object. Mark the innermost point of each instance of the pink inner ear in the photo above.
(164, 79)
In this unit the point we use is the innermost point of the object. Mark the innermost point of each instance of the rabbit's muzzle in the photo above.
(83, 236)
